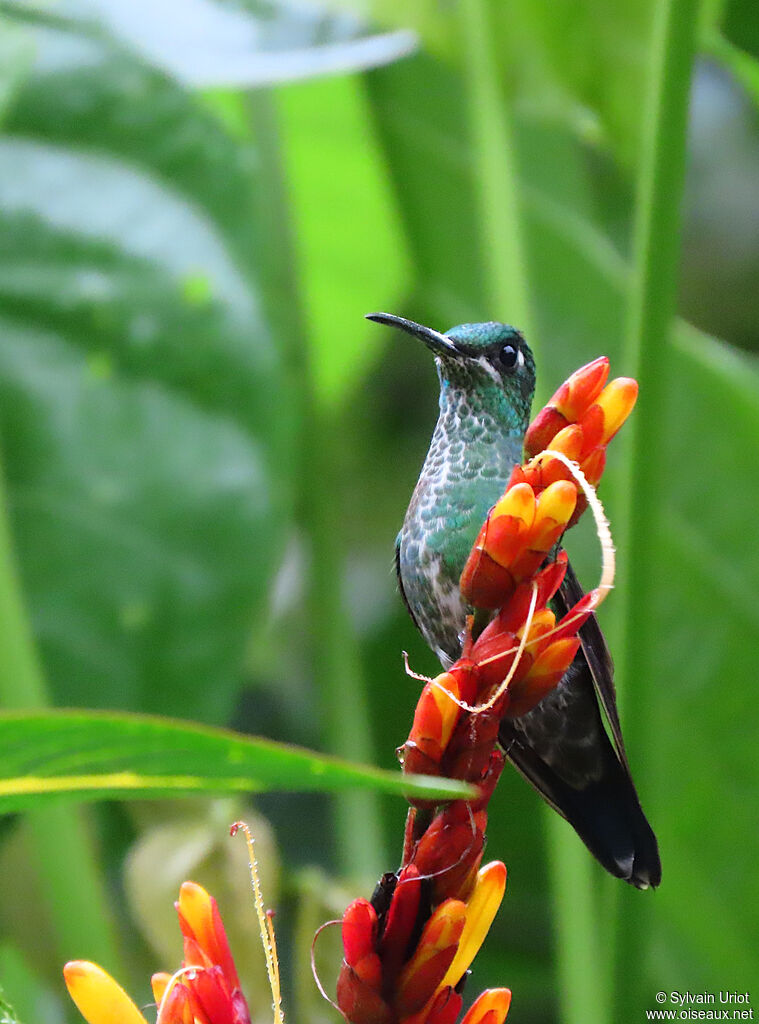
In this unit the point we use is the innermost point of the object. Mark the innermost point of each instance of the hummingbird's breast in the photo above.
(470, 459)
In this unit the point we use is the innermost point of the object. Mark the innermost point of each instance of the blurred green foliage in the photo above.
(207, 453)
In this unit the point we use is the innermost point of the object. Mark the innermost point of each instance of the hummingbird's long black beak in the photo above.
(434, 340)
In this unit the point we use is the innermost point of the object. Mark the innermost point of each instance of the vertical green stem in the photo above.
(71, 880)
(337, 670)
(652, 308)
(579, 963)
(496, 179)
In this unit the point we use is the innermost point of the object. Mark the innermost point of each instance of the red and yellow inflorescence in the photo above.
(407, 950)
(205, 990)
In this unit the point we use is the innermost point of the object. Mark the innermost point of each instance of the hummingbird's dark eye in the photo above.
(508, 356)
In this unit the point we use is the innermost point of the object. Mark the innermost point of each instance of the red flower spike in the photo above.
(489, 1008)
(359, 931)
(400, 922)
(360, 1003)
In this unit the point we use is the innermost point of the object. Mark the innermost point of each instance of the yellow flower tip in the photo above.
(99, 999)
(195, 905)
(446, 705)
(198, 913)
(159, 983)
(489, 1008)
(518, 501)
(443, 928)
(569, 440)
(481, 908)
(617, 400)
(557, 502)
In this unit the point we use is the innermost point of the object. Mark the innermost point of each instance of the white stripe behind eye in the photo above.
(485, 363)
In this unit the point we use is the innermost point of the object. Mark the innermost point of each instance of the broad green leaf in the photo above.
(97, 756)
(142, 412)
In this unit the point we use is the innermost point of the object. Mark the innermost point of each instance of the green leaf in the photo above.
(142, 413)
(96, 756)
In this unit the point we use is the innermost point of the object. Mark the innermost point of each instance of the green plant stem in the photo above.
(585, 992)
(71, 880)
(337, 671)
(496, 178)
(653, 297)
(579, 963)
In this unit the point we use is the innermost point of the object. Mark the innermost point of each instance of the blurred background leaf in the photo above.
(208, 452)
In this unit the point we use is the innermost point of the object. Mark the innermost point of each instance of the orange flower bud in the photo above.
(553, 511)
(434, 721)
(569, 441)
(360, 1003)
(99, 999)
(547, 424)
(434, 953)
(481, 908)
(545, 673)
(177, 1007)
(159, 983)
(489, 1008)
(205, 939)
(616, 401)
(581, 389)
(359, 931)
(567, 405)
(400, 921)
(484, 583)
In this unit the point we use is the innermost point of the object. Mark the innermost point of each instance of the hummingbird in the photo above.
(487, 382)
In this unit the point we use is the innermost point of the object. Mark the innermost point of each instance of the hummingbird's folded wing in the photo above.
(564, 751)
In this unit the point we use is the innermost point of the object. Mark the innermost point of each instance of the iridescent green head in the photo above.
(490, 361)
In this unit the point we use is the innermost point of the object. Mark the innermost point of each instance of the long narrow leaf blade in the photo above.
(94, 756)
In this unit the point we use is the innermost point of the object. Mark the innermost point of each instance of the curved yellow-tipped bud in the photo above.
(518, 501)
(99, 999)
(494, 1002)
(616, 400)
(159, 982)
(196, 907)
(481, 908)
